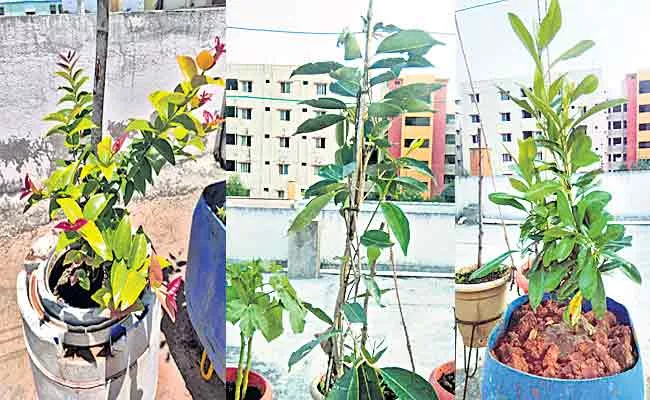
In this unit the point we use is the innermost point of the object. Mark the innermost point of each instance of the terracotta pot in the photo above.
(254, 380)
(480, 302)
(313, 389)
(437, 373)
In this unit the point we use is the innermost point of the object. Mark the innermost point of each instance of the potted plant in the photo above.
(443, 380)
(257, 302)
(566, 339)
(365, 167)
(98, 295)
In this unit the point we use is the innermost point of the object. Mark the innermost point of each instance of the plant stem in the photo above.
(242, 348)
(409, 349)
(101, 54)
(249, 358)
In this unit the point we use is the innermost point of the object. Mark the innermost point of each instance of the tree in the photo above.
(235, 187)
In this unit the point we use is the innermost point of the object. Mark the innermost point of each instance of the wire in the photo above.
(269, 30)
(480, 5)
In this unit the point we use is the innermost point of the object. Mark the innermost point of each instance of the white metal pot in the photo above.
(130, 372)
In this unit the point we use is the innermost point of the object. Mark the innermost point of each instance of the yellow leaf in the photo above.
(94, 237)
(180, 132)
(104, 151)
(188, 67)
(87, 170)
(71, 209)
(107, 170)
(215, 81)
(133, 287)
(164, 263)
(575, 308)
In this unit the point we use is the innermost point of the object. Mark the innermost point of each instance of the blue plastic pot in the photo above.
(501, 382)
(205, 277)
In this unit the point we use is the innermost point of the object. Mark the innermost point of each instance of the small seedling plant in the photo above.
(567, 231)
(364, 167)
(91, 189)
(258, 295)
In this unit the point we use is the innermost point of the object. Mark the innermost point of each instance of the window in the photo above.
(267, 108)
(319, 113)
(616, 125)
(409, 143)
(2, 11)
(644, 87)
(231, 84)
(617, 157)
(527, 134)
(266, 189)
(285, 87)
(285, 115)
(230, 138)
(245, 140)
(474, 97)
(284, 142)
(525, 114)
(247, 86)
(303, 164)
(475, 118)
(417, 121)
(617, 140)
(506, 157)
(625, 107)
(506, 137)
(450, 159)
(624, 123)
(52, 8)
(505, 95)
(449, 179)
(450, 118)
(321, 89)
(304, 110)
(539, 156)
(305, 83)
(505, 117)
(476, 139)
(316, 169)
(644, 145)
(644, 108)
(267, 136)
(267, 162)
(245, 167)
(609, 124)
(268, 81)
(30, 12)
(616, 108)
(283, 169)
(245, 113)
(425, 144)
(320, 143)
(231, 111)
(450, 139)
(625, 141)
(644, 127)
(230, 165)
(280, 194)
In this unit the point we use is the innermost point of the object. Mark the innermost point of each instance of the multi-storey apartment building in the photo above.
(616, 137)
(505, 123)
(637, 87)
(263, 113)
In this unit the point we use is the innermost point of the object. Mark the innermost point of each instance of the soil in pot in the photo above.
(463, 277)
(388, 394)
(252, 393)
(448, 382)
(65, 286)
(543, 344)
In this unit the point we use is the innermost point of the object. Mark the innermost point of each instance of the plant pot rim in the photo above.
(479, 287)
(268, 389)
(502, 323)
(313, 388)
(447, 367)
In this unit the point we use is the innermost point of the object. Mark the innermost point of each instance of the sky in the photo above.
(331, 16)
(620, 29)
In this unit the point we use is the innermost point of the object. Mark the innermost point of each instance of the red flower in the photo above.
(169, 303)
(68, 227)
(28, 188)
(219, 48)
(204, 97)
(119, 142)
(211, 120)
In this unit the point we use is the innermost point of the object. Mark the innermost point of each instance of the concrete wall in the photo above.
(141, 58)
(258, 229)
(630, 193)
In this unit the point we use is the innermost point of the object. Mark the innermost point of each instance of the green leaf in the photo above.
(575, 51)
(588, 277)
(383, 77)
(527, 154)
(553, 277)
(318, 313)
(376, 238)
(505, 199)
(518, 185)
(311, 210)
(326, 103)
(268, 319)
(564, 248)
(95, 205)
(588, 85)
(352, 50)
(417, 165)
(407, 41)
(317, 68)
(82, 125)
(354, 313)
(138, 251)
(536, 287)
(318, 123)
(384, 110)
(628, 268)
(373, 253)
(71, 209)
(133, 287)
(491, 266)
(322, 187)
(564, 209)
(165, 150)
(373, 288)
(346, 387)
(398, 224)
(122, 238)
(598, 108)
(139, 125)
(550, 24)
(411, 183)
(306, 348)
(94, 237)
(540, 190)
(82, 277)
(388, 63)
(406, 385)
(345, 88)
(526, 39)
(598, 300)
(414, 90)
(581, 153)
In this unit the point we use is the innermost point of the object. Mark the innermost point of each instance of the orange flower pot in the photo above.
(437, 373)
(254, 380)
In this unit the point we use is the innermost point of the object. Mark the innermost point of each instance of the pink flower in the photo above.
(170, 298)
(69, 227)
(211, 120)
(204, 97)
(28, 188)
(219, 48)
(119, 142)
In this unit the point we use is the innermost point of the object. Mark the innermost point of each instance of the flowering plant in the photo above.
(91, 189)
